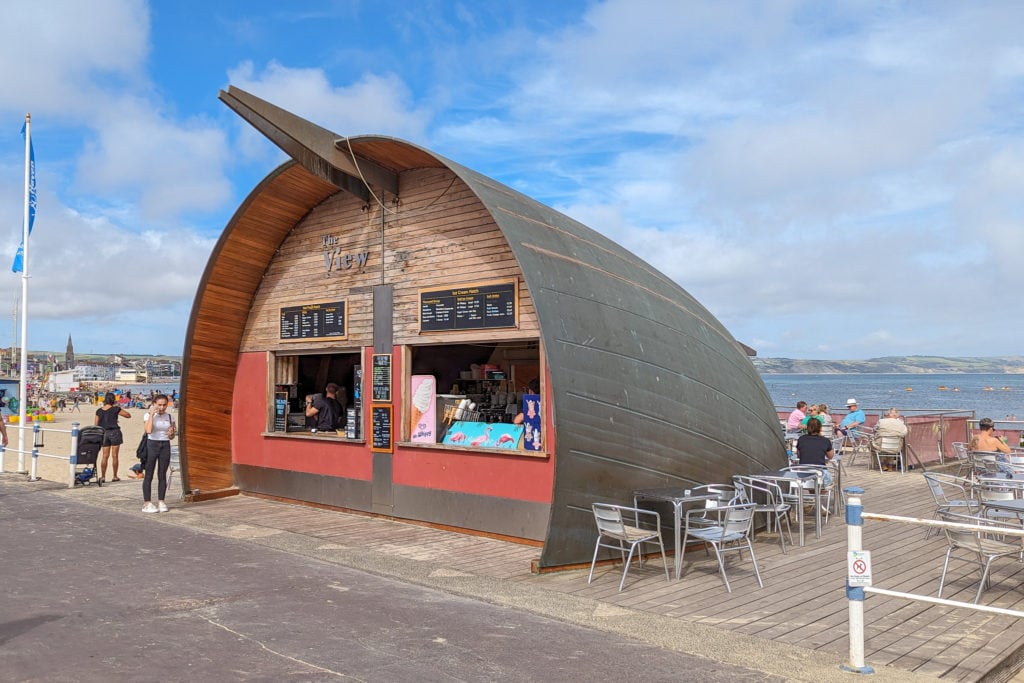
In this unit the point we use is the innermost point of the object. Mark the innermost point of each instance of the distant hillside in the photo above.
(892, 364)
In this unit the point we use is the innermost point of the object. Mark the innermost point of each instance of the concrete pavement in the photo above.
(98, 591)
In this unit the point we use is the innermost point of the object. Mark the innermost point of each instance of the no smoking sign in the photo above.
(858, 565)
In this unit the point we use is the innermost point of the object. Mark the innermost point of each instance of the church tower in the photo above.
(69, 356)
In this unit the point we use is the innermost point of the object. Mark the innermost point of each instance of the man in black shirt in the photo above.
(326, 408)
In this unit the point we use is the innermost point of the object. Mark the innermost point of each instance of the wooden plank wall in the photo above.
(219, 315)
(438, 234)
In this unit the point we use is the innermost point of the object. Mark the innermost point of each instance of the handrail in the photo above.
(855, 517)
(35, 453)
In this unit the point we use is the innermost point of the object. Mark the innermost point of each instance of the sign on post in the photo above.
(858, 565)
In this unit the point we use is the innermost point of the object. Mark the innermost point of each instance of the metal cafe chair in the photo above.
(733, 533)
(725, 493)
(766, 495)
(859, 441)
(890, 447)
(612, 527)
(951, 494)
(837, 451)
(816, 486)
(982, 546)
(962, 457)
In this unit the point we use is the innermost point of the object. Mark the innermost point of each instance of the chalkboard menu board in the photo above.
(325, 320)
(469, 307)
(280, 411)
(380, 419)
(380, 377)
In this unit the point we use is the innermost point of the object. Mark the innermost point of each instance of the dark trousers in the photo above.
(157, 453)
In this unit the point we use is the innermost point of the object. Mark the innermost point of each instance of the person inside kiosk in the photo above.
(328, 411)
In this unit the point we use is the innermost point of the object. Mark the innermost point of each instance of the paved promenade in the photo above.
(98, 591)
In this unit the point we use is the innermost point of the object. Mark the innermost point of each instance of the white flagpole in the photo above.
(23, 386)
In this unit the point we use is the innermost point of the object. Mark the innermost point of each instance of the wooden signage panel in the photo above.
(380, 429)
(380, 378)
(323, 320)
(475, 306)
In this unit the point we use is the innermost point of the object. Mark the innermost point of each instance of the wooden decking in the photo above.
(803, 602)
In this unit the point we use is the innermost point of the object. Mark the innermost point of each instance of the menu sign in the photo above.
(380, 419)
(281, 411)
(380, 377)
(324, 320)
(469, 307)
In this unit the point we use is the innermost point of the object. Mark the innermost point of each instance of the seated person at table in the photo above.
(814, 449)
(812, 411)
(823, 414)
(985, 440)
(793, 422)
(890, 425)
(855, 418)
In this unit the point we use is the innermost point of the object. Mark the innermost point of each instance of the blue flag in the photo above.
(19, 258)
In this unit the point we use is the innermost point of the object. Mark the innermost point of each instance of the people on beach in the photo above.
(890, 425)
(159, 430)
(855, 418)
(985, 440)
(814, 449)
(795, 418)
(106, 417)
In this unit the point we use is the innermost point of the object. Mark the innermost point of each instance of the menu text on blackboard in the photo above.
(324, 320)
(380, 420)
(380, 377)
(469, 307)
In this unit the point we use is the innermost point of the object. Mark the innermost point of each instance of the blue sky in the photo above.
(832, 180)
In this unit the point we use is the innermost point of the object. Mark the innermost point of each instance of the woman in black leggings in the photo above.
(160, 430)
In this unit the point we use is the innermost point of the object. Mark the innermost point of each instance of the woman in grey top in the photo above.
(160, 430)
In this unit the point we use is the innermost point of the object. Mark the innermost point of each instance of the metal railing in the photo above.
(932, 431)
(855, 517)
(38, 435)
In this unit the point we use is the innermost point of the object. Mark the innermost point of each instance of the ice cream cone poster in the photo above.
(422, 423)
(532, 422)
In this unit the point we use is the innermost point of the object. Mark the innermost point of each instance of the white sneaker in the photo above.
(161, 507)
(149, 507)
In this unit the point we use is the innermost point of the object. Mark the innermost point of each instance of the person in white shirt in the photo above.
(890, 425)
(159, 430)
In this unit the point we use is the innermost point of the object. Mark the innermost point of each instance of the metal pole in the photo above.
(73, 460)
(855, 594)
(23, 391)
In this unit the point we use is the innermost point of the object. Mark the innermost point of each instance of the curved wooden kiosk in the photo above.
(500, 365)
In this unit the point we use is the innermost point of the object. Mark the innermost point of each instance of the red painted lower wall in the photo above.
(249, 408)
(475, 472)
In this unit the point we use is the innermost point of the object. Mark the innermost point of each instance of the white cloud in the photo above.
(373, 104)
(170, 167)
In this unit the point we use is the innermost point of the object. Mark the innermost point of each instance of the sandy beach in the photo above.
(57, 442)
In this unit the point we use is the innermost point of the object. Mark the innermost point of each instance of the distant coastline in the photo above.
(924, 365)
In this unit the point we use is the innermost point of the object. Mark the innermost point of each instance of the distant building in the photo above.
(62, 381)
(69, 355)
(127, 374)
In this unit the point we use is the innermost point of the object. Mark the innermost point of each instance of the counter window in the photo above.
(480, 396)
(301, 378)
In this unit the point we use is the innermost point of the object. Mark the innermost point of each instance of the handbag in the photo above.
(143, 448)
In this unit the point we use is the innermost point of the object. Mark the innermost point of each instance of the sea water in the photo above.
(999, 396)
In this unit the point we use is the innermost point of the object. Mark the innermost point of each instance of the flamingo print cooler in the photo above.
(479, 434)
